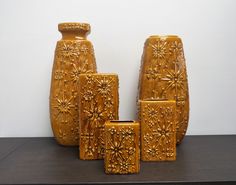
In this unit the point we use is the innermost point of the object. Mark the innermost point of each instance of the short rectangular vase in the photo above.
(122, 154)
(98, 102)
(158, 130)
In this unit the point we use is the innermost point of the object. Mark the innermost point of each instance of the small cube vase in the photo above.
(98, 102)
(122, 154)
(158, 130)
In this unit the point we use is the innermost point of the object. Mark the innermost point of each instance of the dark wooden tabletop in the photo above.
(200, 160)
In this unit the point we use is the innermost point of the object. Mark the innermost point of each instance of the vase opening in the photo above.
(164, 36)
(117, 121)
(155, 99)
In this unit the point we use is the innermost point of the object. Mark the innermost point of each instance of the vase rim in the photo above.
(164, 36)
(98, 74)
(157, 100)
(121, 122)
(74, 26)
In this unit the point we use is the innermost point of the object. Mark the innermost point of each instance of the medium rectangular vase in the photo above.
(158, 130)
(98, 102)
(122, 154)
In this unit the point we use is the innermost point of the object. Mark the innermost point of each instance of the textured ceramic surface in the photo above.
(74, 55)
(98, 102)
(163, 75)
(122, 154)
(158, 130)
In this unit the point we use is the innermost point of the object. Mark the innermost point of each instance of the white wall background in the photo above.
(28, 34)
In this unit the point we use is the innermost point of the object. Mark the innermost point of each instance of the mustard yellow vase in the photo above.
(98, 103)
(163, 76)
(122, 151)
(158, 130)
(74, 55)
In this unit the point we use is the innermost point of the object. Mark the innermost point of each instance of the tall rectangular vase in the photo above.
(98, 102)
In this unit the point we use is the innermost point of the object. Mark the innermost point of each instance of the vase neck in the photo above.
(74, 36)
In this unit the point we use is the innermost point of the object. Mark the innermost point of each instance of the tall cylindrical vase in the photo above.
(74, 55)
(163, 75)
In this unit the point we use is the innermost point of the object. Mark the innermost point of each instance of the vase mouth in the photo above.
(74, 26)
(122, 121)
(157, 100)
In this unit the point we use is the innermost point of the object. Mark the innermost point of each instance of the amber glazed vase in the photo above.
(98, 102)
(163, 75)
(74, 55)
(122, 154)
(158, 130)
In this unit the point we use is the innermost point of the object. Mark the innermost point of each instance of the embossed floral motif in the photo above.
(87, 138)
(148, 138)
(104, 87)
(152, 113)
(127, 131)
(112, 168)
(153, 151)
(69, 50)
(111, 115)
(59, 74)
(89, 150)
(88, 95)
(164, 132)
(63, 106)
(169, 152)
(159, 49)
(108, 102)
(84, 49)
(76, 71)
(95, 113)
(124, 167)
(116, 149)
(112, 130)
(131, 150)
(176, 47)
(152, 73)
(175, 80)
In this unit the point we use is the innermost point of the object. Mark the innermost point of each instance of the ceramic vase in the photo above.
(163, 75)
(98, 102)
(122, 154)
(74, 55)
(158, 130)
